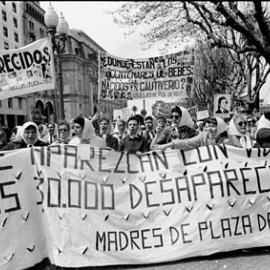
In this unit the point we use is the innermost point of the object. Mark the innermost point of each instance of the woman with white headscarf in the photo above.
(214, 133)
(237, 132)
(85, 133)
(29, 136)
(182, 126)
(262, 133)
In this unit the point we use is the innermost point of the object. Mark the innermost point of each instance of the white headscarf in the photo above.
(262, 123)
(88, 129)
(244, 138)
(186, 119)
(24, 127)
(221, 125)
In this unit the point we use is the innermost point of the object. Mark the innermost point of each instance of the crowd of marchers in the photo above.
(141, 134)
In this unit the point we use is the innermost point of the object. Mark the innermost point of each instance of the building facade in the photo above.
(22, 23)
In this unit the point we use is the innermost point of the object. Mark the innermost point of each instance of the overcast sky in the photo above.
(90, 17)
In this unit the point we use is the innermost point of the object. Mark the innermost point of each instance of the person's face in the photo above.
(63, 132)
(175, 118)
(211, 129)
(223, 103)
(30, 135)
(149, 124)
(78, 129)
(161, 123)
(241, 125)
(51, 129)
(121, 127)
(133, 126)
(103, 126)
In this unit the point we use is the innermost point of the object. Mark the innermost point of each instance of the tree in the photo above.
(242, 28)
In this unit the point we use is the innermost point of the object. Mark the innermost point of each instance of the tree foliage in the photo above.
(241, 29)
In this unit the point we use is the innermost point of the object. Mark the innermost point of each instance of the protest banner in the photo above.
(84, 206)
(169, 76)
(27, 69)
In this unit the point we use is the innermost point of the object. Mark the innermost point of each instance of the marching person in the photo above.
(104, 132)
(85, 133)
(182, 126)
(64, 133)
(134, 142)
(215, 132)
(29, 136)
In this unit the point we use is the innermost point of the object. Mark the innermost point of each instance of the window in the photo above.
(6, 46)
(16, 37)
(41, 32)
(10, 103)
(31, 26)
(4, 15)
(14, 8)
(20, 101)
(5, 31)
(15, 23)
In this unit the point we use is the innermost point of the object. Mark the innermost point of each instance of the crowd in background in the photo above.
(141, 134)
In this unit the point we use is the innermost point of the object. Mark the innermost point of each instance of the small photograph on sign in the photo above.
(222, 105)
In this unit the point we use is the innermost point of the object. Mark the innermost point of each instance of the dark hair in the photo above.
(104, 118)
(140, 119)
(211, 120)
(133, 118)
(177, 110)
(220, 99)
(267, 115)
(79, 120)
(162, 117)
(148, 117)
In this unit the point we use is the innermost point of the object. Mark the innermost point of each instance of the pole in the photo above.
(60, 86)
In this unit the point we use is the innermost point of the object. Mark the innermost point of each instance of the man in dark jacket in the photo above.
(134, 142)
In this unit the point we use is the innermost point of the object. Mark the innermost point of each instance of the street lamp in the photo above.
(57, 29)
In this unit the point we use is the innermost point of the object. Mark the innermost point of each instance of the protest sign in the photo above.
(111, 208)
(27, 69)
(202, 114)
(169, 76)
(124, 114)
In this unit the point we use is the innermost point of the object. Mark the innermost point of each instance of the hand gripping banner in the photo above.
(84, 206)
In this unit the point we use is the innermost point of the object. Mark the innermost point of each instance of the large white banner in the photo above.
(91, 207)
(168, 76)
(27, 69)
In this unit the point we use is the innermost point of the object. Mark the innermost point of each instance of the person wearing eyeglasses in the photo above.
(182, 126)
(64, 133)
(215, 132)
(237, 132)
(222, 105)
